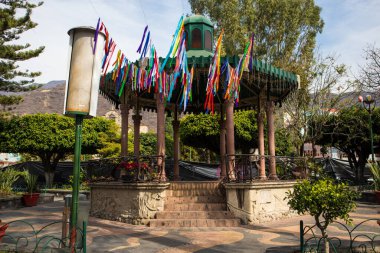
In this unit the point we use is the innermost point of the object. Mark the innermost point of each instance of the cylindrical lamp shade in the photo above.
(82, 86)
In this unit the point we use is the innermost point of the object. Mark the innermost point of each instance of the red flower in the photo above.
(132, 165)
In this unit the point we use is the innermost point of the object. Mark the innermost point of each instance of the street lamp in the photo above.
(369, 104)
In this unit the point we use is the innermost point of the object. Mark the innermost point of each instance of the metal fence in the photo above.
(246, 167)
(128, 168)
(22, 236)
(364, 237)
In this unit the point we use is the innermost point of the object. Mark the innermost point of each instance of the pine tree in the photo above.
(7, 101)
(12, 24)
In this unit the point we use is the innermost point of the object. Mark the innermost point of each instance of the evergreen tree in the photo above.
(12, 24)
(6, 101)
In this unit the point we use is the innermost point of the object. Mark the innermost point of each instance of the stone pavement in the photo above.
(109, 236)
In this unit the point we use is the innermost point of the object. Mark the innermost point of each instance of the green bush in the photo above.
(7, 178)
(83, 182)
(323, 199)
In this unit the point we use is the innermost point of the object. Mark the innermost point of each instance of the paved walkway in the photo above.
(108, 236)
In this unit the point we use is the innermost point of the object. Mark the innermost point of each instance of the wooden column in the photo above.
(124, 111)
(161, 136)
(223, 170)
(230, 138)
(176, 152)
(261, 144)
(271, 141)
(136, 133)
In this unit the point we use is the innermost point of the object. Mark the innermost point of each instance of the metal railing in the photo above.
(22, 236)
(358, 238)
(128, 168)
(246, 167)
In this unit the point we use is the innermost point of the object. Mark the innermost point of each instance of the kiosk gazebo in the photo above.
(262, 87)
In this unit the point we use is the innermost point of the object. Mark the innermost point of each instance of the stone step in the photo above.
(195, 199)
(194, 215)
(210, 185)
(194, 223)
(193, 192)
(196, 207)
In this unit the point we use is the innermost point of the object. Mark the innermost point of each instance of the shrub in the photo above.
(7, 178)
(323, 199)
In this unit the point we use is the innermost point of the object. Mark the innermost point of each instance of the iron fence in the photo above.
(363, 238)
(22, 236)
(246, 167)
(127, 168)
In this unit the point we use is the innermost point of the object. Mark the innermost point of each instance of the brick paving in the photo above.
(110, 236)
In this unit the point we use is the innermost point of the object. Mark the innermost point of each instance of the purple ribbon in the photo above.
(142, 40)
(143, 54)
(96, 36)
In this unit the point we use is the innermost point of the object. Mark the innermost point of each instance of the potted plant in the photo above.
(375, 170)
(31, 197)
(3, 228)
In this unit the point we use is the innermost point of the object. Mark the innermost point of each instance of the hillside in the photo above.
(50, 99)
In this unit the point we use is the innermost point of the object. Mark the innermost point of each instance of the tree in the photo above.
(51, 138)
(324, 200)
(309, 111)
(284, 144)
(285, 31)
(110, 140)
(370, 72)
(11, 26)
(9, 100)
(348, 131)
(285, 36)
(202, 131)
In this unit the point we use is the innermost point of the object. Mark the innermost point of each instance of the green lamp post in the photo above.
(369, 104)
(81, 99)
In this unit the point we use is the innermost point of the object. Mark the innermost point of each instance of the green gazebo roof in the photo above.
(198, 53)
(276, 84)
(198, 19)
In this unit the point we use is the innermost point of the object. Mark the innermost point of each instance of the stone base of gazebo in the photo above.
(143, 203)
(133, 203)
(259, 201)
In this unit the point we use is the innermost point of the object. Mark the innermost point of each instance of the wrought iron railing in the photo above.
(128, 168)
(22, 236)
(246, 167)
(364, 238)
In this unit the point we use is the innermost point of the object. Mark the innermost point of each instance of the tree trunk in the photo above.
(49, 179)
(327, 245)
(314, 149)
(50, 162)
(301, 150)
(323, 232)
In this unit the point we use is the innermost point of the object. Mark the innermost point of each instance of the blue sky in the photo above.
(350, 25)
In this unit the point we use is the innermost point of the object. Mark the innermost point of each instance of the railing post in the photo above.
(65, 225)
(84, 237)
(301, 236)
